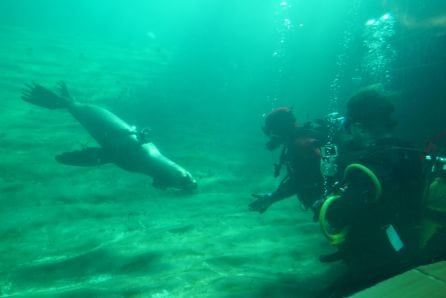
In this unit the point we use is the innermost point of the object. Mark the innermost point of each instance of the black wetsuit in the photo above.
(368, 250)
(302, 160)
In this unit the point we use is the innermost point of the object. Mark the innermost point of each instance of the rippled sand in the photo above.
(103, 232)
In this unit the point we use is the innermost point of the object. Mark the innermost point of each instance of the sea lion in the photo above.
(119, 142)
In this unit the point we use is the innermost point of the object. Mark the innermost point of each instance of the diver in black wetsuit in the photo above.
(378, 207)
(301, 156)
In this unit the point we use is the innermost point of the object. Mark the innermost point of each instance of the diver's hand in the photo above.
(262, 202)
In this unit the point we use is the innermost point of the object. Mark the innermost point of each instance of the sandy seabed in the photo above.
(103, 232)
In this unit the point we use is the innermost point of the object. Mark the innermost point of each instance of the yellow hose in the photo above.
(335, 238)
(369, 173)
(339, 237)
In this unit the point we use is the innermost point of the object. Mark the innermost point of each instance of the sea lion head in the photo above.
(165, 172)
(179, 179)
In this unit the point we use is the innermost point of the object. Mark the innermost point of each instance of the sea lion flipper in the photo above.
(88, 157)
(63, 90)
(43, 97)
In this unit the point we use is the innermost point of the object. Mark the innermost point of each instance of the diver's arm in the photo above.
(264, 201)
(285, 189)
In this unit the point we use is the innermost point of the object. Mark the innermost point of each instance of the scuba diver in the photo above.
(301, 155)
(373, 217)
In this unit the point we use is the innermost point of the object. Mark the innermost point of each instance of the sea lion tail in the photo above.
(43, 97)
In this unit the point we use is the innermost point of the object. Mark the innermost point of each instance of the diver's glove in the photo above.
(262, 202)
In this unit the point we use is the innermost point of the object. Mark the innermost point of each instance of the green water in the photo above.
(200, 74)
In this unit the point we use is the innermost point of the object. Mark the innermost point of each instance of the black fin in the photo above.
(63, 90)
(43, 97)
(88, 157)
